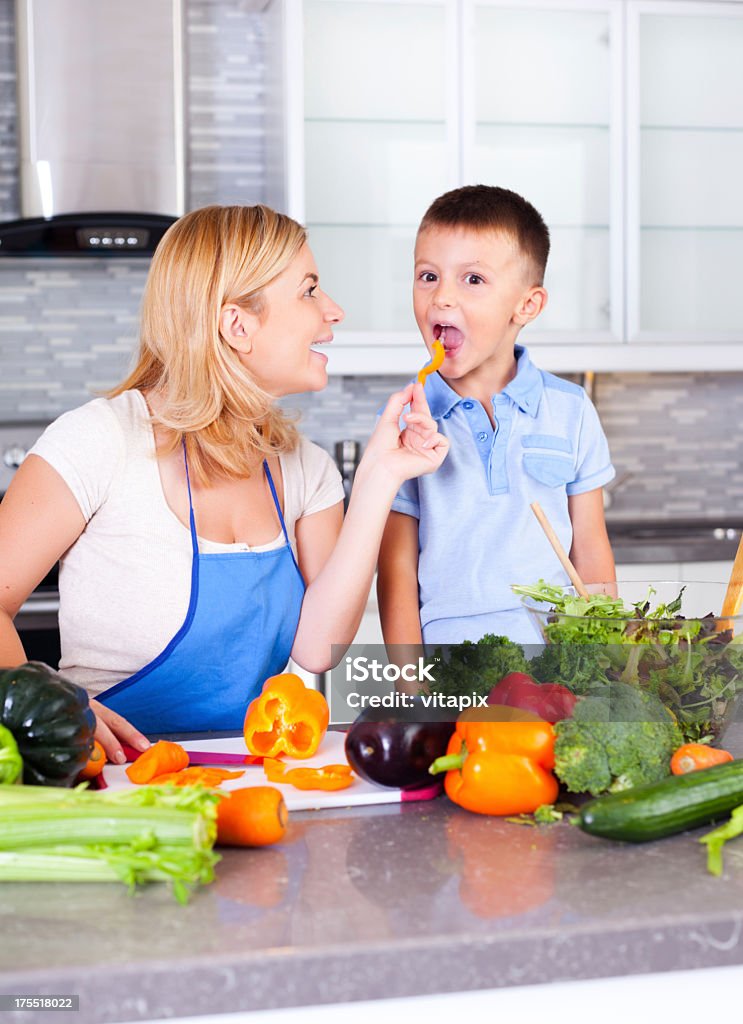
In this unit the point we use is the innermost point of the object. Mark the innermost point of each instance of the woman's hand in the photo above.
(414, 451)
(112, 730)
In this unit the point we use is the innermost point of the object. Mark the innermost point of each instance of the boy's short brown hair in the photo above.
(490, 208)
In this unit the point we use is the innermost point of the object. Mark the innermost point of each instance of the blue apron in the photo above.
(239, 630)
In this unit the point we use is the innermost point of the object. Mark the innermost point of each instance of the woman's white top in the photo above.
(124, 585)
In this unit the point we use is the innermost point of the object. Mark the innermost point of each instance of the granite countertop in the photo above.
(373, 902)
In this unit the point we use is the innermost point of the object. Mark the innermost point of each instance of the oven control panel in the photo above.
(16, 440)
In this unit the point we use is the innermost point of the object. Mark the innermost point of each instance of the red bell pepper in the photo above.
(550, 701)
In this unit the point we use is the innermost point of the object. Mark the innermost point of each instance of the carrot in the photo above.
(196, 776)
(158, 759)
(693, 756)
(251, 816)
(95, 763)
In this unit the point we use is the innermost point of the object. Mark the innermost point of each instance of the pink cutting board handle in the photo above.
(426, 793)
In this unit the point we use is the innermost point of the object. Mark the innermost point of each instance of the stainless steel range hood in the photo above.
(100, 103)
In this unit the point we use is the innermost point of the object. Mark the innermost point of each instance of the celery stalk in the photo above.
(22, 826)
(155, 833)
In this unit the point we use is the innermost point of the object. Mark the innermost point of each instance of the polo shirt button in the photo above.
(482, 436)
(468, 405)
(447, 415)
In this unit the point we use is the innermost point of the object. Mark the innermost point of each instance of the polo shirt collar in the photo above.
(525, 390)
(526, 387)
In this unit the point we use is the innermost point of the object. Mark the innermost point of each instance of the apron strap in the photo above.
(191, 518)
(267, 471)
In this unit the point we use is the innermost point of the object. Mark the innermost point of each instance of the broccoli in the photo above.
(476, 667)
(619, 736)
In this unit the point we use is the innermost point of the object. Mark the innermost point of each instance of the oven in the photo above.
(37, 621)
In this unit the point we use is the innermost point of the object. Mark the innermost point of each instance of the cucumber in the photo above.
(663, 808)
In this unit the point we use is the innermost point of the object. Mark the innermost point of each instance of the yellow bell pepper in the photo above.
(287, 718)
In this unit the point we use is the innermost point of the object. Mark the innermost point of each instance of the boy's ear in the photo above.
(237, 325)
(530, 305)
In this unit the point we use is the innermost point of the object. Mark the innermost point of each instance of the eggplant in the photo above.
(396, 749)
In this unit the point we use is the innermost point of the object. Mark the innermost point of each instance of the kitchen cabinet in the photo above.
(619, 119)
(543, 83)
(371, 137)
(685, 572)
(685, 162)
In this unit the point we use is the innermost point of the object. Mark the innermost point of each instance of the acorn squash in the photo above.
(51, 721)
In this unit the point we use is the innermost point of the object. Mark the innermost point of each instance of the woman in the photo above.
(200, 537)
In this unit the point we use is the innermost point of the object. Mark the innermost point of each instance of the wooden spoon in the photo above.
(559, 550)
(734, 593)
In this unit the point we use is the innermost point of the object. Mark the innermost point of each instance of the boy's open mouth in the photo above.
(451, 337)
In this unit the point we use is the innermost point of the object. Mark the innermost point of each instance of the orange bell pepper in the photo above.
(500, 767)
(437, 358)
(287, 718)
(196, 776)
(329, 777)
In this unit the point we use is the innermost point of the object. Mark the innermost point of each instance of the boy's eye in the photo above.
(311, 290)
(428, 276)
(474, 279)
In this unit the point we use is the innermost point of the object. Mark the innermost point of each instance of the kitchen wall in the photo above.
(68, 328)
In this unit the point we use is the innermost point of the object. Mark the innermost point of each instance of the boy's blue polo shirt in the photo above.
(476, 532)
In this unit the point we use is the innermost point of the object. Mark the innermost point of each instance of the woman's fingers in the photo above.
(112, 730)
(395, 404)
(417, 449)
(419, 402)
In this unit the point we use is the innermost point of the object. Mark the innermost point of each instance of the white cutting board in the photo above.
(331, 751)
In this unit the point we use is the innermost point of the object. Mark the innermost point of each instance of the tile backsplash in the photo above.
(68, 329)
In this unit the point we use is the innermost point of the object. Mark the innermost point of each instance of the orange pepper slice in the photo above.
(196, 776)
(436, 360)
(329, 777)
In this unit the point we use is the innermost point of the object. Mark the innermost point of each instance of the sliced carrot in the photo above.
(163, 756)
(251, 816)
(95, 762)
(693, 756)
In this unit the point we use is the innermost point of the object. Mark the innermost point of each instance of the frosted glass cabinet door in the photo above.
(544, 85)
(687, 199)
(375, 147)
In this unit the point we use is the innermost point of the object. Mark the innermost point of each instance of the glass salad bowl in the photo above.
(666, 636)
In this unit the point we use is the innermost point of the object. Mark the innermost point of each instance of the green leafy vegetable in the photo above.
(715, 840)
(153, 833)
(693, 669)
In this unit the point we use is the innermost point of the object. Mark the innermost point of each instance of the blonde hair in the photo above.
(210, 257)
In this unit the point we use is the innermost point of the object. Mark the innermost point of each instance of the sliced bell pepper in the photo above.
(287, 718)
(329, 777)
(551, 701)
(437, 358)
(196, 776)
(500, 767)
(11, 763)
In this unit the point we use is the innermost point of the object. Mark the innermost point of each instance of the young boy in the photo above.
(456, 540)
